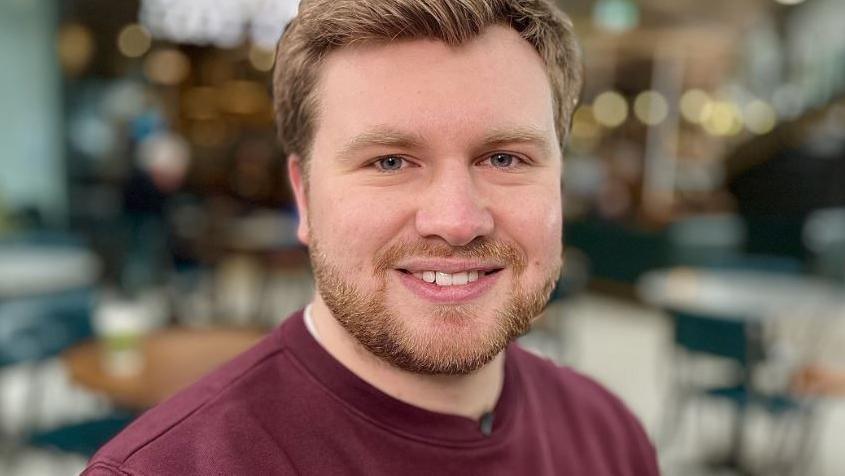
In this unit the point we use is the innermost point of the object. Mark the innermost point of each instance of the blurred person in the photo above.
(424, 144)
(163, 159)
(818, 379)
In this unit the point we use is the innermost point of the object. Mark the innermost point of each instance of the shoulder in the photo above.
(104, 468)
(586, 409)
(203, 421)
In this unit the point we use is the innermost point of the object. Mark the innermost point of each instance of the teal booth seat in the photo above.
(38, 327)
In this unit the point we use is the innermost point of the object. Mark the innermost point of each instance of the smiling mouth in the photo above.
(440, 278)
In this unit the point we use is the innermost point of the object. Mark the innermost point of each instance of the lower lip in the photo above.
(448, 294)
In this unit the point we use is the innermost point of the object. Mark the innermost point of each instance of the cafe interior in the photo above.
(147, 228)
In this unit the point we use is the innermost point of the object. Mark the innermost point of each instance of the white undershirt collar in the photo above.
(309, 323)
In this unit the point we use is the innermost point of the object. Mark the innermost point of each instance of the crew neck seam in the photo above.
(482, 441)
(500, 436)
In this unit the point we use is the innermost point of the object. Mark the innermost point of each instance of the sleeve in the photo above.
(633, 453)
(644, 455)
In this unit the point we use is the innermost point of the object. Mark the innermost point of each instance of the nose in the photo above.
(453, 209)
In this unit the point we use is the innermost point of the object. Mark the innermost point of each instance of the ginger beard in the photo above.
(453, 339)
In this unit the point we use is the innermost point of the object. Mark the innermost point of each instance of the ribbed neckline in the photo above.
(391, 413)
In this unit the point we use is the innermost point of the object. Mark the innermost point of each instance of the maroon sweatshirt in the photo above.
(287, 407)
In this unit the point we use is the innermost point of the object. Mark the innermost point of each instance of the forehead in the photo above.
(449, 94)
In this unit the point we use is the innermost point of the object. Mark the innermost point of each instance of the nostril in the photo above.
(455, 221)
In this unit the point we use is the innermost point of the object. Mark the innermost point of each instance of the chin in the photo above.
(453, 340)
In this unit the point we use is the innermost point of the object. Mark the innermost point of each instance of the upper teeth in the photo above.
(447, 279)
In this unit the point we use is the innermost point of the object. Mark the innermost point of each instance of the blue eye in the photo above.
(502, 161)
(390, 163)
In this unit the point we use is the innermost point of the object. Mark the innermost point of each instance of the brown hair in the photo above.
(325, 25)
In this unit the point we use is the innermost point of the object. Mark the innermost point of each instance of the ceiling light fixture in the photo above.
(223, 23)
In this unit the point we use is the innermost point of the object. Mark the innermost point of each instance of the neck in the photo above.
(469, 395)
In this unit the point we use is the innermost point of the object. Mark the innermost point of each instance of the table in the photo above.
(742, 295)
(27, 270)
(173, 359)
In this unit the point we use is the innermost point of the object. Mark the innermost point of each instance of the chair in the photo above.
(703, 241)
(737, 342)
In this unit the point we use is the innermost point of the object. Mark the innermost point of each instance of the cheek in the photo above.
(535, 222)
(356, 224)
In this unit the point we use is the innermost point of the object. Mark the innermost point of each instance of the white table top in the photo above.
(742, 295)
(27, 270)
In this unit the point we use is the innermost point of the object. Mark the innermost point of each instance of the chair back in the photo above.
(735, 339)
(730, 339)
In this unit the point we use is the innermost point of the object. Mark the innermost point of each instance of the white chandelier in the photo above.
(223, 23)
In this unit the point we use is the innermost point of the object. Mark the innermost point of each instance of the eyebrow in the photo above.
(389, 137)
(382, 136)
(519, 135)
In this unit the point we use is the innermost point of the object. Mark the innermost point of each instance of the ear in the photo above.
(297, 183)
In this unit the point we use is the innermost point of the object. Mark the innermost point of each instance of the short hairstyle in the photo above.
(325, 25)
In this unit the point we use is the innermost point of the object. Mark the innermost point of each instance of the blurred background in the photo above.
(147, 229)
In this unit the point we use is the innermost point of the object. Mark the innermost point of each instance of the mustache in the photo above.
(500, 251)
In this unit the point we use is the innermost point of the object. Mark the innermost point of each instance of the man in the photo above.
(424, 143)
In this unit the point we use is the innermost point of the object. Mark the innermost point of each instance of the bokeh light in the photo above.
(75, 47)
(722, 118)
(167, 66)
(617, 16)
(261, 58)
(133, 40)
(651, 107)
(610, 109)
(693, 103)
(760, 117)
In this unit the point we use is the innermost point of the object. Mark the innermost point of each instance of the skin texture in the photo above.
(476, 184)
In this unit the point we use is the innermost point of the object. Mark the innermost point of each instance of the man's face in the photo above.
(430, 162)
